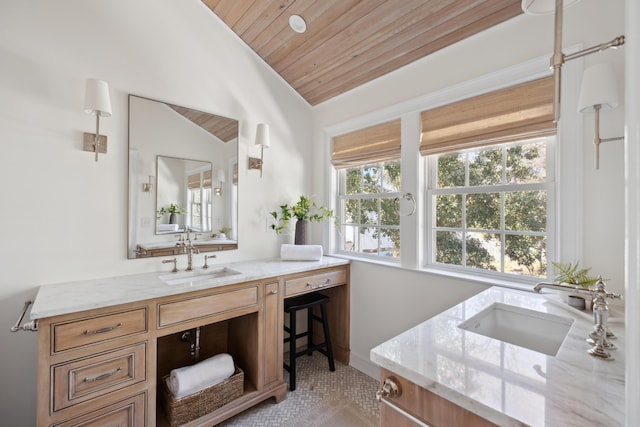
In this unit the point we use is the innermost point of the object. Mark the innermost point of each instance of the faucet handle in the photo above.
(206, 257)
(175, 264)
(600, 290)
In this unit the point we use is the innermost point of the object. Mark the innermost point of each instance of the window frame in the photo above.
(549, 185)
(568, 172)
(341, 195)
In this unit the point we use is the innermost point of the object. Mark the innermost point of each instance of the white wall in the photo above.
(63, 215)
(516, 41)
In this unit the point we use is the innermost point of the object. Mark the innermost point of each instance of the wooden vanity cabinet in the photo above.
(104, 366)
(416, 406)
(93, 368)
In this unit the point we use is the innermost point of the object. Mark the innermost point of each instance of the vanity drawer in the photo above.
(314, 282)
(92, 377)
(429, 408)
(126, 413)
(79, 333)
(175, 312)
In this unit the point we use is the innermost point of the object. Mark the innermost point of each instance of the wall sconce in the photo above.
(598, 92)
(147, 187)
(543, 7)
(97, 102)
(222, 178)
(264, 141)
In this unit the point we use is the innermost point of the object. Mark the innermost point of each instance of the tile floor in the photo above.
(343, 398)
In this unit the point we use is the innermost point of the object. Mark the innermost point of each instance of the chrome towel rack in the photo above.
(29, 326)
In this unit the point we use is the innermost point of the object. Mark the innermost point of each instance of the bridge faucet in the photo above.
(190, 250)
(568, 288)
(600, 335)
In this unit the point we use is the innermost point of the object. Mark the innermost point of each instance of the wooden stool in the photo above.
(292, 306)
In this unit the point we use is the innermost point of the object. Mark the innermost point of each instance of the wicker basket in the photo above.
(187, 408)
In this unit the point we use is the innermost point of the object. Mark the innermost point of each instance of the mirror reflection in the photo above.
(182, 177)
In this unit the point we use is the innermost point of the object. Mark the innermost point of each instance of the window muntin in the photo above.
(368, 204)
(491, 208)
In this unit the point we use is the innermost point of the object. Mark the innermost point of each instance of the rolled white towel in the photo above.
(168, 227)
(191, 379)
(301, 252)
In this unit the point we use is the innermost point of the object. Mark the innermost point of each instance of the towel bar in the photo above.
(29, 326)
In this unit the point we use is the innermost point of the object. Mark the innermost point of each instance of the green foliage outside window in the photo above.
(519, 234)
(373, 209)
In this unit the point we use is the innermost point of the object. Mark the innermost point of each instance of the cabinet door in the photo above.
(273, 308)
(127, 413)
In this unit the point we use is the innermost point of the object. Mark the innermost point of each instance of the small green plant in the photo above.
(572, 274)
(224, 230)
(173, 208)
(303, 209)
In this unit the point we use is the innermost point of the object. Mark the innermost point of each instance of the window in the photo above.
(369, 209)
(490, 208)
(368, 164)
(490, 184)
(199, 200)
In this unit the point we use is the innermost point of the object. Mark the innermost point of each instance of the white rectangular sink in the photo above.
(535, 330)
(197, 276)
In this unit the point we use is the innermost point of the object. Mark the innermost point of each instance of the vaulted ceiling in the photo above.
(350, 42)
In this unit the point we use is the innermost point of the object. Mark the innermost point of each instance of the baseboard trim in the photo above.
(365, 366)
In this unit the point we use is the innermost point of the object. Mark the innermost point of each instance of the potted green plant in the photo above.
(572, 274)
(304, 211)
(223, 232)
(173, 210)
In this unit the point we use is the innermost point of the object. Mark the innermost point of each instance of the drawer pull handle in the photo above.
(102, 330)
(390, 388)
(102, 377)
(326, 283)
(275, 291)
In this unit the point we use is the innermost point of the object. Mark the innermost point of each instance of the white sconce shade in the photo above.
(262, 135)
(599, 91)
(263, 140)
(97, 100)
(598, 88)
(543, 7)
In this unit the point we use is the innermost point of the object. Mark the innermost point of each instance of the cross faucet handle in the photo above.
(175, 264)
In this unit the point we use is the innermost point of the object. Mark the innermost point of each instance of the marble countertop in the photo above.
(507, 384)
(71, 297)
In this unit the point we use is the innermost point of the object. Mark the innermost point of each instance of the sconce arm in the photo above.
(616, 42)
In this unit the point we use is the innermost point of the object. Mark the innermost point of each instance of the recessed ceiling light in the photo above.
(297, 24)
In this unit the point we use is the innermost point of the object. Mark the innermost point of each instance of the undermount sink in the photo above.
(197, 276)
(535, 330)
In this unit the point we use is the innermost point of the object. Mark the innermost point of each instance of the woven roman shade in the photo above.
(365, 146)
(514, 113)
(193, 181)
(207, 179)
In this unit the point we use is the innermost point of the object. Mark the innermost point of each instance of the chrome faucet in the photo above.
(569, 288)
(599, 337)
(190, 250)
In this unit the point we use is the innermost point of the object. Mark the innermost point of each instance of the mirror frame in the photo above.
(155, 123)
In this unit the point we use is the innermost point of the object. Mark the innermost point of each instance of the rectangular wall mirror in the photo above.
(182, 177)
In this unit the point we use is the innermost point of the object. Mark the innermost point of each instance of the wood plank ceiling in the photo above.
(351, 42)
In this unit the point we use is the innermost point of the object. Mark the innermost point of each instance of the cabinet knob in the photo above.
(390, 388)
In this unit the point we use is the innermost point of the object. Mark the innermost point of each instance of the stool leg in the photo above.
(327, 338)
(309, 331)
(292, 350)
